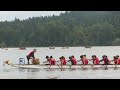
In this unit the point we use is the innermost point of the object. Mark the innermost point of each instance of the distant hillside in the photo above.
(74, 28)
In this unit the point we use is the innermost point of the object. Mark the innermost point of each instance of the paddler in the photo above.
(118, 59)
(105, 59)
(52, 60)
(74, 60)
(62, 61)
(84, 59)
(71, 60)
(95, 60)
(48, 60)
(115, 59)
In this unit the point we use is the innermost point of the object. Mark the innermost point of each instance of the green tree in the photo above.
(116, 42)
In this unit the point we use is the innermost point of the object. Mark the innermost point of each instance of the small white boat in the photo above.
(52, 47)
(65, 47)
(88, 46)
(22, 48)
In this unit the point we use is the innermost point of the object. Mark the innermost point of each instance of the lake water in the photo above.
(14, 54)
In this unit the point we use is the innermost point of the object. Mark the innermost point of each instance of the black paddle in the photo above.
(106, 63)
(81, 63)
(115, 64)
(91, 64)
(58, 65)
(69, 64)
(46, 65)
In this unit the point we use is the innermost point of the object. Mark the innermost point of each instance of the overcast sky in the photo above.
(10, 15)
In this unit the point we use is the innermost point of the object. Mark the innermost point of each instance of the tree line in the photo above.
(72, 28)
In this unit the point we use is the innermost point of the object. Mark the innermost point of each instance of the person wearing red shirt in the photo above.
(105, 59)
(48, 60)
(63, 60)
(52, 61)
(84, 59)
(31, 55)
(117, 60)
(74, 60)
(95, 60)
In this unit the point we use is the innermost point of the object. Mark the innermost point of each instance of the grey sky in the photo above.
(10, 15)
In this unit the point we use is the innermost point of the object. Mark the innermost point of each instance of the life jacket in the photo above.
(96, 61)
(106, 61)
(115, 61)
(118, 61)
(64, 61)
(85, 61)
(48, 60)
(74, 61)
(52, 61)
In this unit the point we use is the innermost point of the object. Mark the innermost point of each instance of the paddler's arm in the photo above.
(33, 56)
(101, 60)
(79, 60)
(68, 60)
(90, 59)
(112, 60)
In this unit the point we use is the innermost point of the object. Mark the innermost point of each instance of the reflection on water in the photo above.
(84, 68)
(60, 73)
(33, 70)
(72, 69)
(6, 70)
(115, 68)
(21, 70)
(95, 68)
(62, 69)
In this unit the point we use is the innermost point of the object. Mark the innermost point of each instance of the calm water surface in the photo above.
(13, 54)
